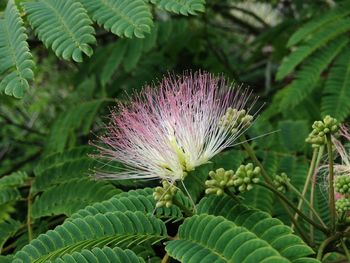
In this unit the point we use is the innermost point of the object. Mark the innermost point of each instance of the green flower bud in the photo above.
(164, 195)
(220, 179)
(246, 176)
(342, 184)
(281, 182)
(242, 180)
(317, 137)
(236, 119)
(342, 205)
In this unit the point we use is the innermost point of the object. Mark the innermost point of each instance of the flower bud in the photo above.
(342, 184)
(235, 119)
(342, 205)
(317, 137)
(164, 195)
(246, 176)
(281, 182)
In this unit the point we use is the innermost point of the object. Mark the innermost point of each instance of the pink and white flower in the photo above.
(166, 132)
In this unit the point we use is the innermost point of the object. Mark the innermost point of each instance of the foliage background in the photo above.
(294, 54)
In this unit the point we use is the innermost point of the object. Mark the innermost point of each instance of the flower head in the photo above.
(168, 131)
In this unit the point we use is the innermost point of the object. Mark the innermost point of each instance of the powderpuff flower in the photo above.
(167, 131)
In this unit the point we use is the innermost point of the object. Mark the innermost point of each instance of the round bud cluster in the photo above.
(281, 182)
(342, 205)
(220, 179)
(236, 118)
(328, 125)
(245, 177)
(342, 184)
(314, 139)
(164, 195)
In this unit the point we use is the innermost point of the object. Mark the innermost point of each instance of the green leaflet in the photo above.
(184, 7)
(69, 121)
(317, 23)
(8, 229)
(336, 93)
(139, 200)
(309, 74)
(16, 62)
(13, 180)
(311, 44)
(121, 17)
(71, 196)
(98, 255)
(93, 231)
(62, 25)
(206, 238)
(271, 230)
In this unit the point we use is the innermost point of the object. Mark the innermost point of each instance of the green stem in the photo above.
(187, 211)
(297, 226)
(346, 250)
(307, 181)
(313, 183)
(269, 184)
(307, 203)
(331, 181)
(324, 245)
(230, 194)
(29, 215)
(252, 155)
(290, 204)
(166, 258)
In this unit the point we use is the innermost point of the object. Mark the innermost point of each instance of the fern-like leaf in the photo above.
(134, 200)
(320, 38)
(206, 238)
(117, 51)
(13, 180)
(318, 22)
(308, 76)
(8, 229)
(62, 173)
(98, 255)
(184, 7)
(9, 195)
(336, 99)
(57, 159)
(71, 196)
(115, 228)
(121, 17)
(15, 59)
(67, 122)
(5, 211)
(63, 25)
(293, 134)
(270, 229)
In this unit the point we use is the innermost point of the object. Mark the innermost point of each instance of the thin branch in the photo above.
(24, 127)
(291, 205)
(325, 244)
(307, 181)
(29, 213)
(346, 250)
(18, 165)
(245, 11)
(227, 15)
(331, 182)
